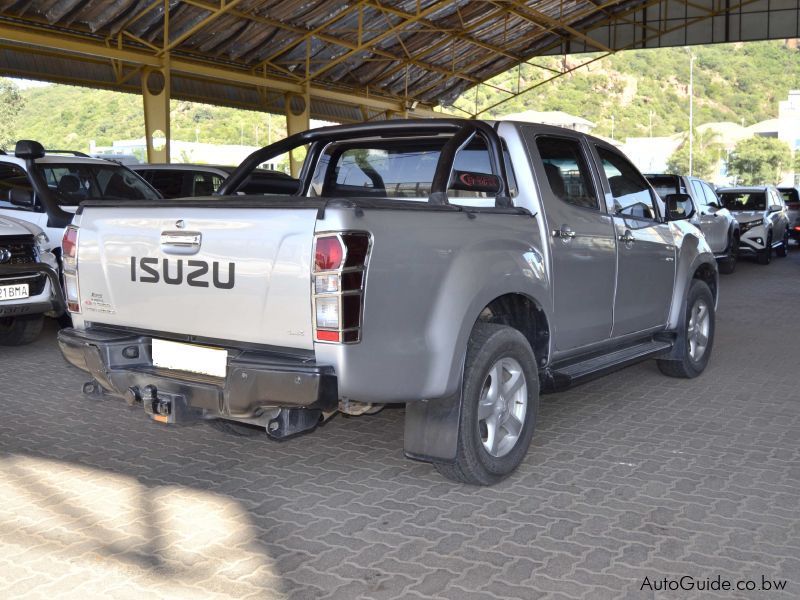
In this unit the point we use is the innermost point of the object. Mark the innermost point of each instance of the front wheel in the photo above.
(728, 264)
(765, 255)
(500, 399)
(698, 334)
(17, 331)
(783, 251)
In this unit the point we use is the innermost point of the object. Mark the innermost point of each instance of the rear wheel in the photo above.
(765, 255)
(698, 334)
(16, 331)
(783, 251)
(728, 264)
(500, 398)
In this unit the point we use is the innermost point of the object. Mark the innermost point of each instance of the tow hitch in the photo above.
(292, 421)
(163, 407)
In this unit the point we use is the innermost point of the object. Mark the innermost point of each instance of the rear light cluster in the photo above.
(337, 286)
(69, 256)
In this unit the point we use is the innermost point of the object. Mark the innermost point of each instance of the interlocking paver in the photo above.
(629, 476)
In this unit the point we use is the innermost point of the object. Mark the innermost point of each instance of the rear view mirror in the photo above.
(21, 197)
(679, 206)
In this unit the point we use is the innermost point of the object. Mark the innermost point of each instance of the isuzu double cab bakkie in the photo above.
(458, 267)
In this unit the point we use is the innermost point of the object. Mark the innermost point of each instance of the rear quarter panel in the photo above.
(430, 275)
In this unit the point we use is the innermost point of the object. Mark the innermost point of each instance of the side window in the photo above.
(711, 196)
(698, 194)
(168, 182)
(567, 171)
(12, 177)
(203, 184)
(632, 195)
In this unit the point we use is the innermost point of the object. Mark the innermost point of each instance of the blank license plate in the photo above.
(13, 292)
(191, 358)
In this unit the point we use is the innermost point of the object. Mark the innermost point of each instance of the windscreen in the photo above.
(664, 185)
(743, 200)
(72, 183)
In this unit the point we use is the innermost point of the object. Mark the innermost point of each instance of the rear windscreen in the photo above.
(743, 200)
(400, 169)
(790, 196)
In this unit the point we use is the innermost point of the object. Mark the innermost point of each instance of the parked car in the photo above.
(454, 266)
(791, 198)
(763, 220)
(29, 287)
(45, 187)
(182, 180)
(715, 221)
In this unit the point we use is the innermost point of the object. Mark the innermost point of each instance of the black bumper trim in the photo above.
(54, 303)
(254, 380)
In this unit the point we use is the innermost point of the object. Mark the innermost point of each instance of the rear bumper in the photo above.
(49, 299)
(255, 380)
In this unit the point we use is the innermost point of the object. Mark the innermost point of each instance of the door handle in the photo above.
(565, 233)
(181, 242)
(627, 237)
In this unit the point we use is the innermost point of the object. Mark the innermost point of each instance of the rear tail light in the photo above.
(340, 261)
(69, 257)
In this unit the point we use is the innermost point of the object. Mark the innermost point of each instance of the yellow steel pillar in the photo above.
(298, 109)
(155, 92)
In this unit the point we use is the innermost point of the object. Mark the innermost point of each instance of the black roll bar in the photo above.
(463, 131)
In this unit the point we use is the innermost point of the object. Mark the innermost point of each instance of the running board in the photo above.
(566, 376)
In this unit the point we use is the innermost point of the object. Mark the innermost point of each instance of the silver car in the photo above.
(791, 197)
(763, 219)
(716, 222)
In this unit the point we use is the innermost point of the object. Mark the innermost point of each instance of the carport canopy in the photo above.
(344, 61)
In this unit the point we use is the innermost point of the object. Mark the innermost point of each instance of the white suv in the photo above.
(763, 220)
(32, 180)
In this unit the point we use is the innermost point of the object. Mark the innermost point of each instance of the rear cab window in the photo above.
(404, 169)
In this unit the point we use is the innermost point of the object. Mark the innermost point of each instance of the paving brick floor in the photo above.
(632, 476)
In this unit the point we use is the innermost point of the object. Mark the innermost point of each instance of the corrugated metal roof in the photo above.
(430, 51)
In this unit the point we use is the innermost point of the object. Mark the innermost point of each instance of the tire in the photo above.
(783, 251)
(483, 457)
(765, 255)
(693, 364)
(728, 264)
(236, 428)
(17, 331)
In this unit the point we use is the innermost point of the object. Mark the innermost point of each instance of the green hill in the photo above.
(733, 82)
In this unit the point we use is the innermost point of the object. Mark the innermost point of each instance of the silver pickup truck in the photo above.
(458, 267)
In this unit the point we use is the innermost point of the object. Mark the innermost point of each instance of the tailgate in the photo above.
(240, 274)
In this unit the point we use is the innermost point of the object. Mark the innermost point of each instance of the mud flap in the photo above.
(431, 429)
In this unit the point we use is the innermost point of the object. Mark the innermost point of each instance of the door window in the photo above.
(632, 195)
(168, 182)
(567, 171)
(711, 196)
(699, 196)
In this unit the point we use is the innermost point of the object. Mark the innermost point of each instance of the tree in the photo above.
(11, 103)
(706, 154)
(758, 160)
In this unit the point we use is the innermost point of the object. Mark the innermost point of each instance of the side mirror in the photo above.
(21, 197)
(679, 206)
(775, 208)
